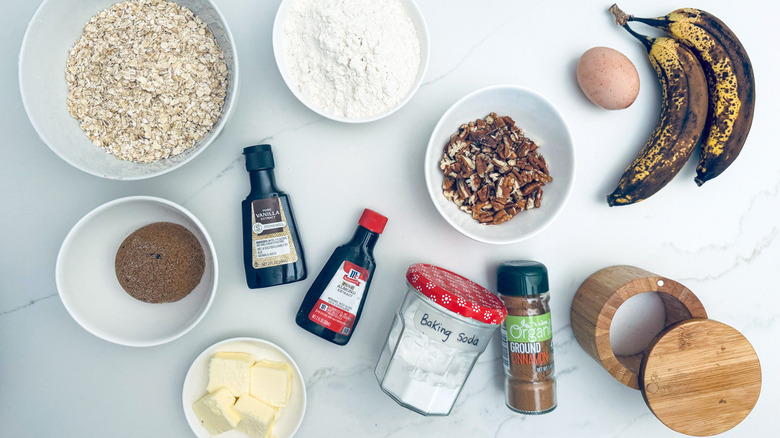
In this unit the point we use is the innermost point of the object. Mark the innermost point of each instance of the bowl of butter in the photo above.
(244, 387)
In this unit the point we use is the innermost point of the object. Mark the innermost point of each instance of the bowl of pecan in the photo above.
(500, 164)
(128, 89)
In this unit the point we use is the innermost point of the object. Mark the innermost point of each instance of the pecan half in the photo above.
(481, 138)
(481, 165)
(501, 217)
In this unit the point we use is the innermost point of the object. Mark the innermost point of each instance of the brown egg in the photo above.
(608, 78)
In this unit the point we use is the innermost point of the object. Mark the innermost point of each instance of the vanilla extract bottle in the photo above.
(273, 253)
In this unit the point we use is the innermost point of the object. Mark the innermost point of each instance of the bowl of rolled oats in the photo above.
(500, 164)
(128, 89)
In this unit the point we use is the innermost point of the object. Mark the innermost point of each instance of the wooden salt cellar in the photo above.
(698, 376)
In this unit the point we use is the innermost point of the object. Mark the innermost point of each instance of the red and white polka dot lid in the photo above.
(456, 294)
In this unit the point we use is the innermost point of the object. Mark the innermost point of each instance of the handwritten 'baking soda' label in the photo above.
(446, 330)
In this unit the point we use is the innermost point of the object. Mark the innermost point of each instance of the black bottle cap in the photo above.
(259, 157)
(522, 277)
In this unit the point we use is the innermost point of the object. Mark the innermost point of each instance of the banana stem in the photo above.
(622, 19)
(646, 40)
(655, 22)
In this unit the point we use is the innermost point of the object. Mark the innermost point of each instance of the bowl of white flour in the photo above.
(352, 61)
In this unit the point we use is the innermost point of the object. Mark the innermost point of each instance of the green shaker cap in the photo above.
(522, 277)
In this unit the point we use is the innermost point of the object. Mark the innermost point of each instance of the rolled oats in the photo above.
(146, 80)
(492, 170)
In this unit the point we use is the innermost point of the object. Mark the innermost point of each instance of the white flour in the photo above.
(352, 58)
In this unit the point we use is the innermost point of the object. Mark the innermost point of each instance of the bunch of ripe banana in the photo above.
(708, 94)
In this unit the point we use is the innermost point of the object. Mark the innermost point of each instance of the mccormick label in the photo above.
(445, 330)
(271, 237)
(339, 302)
(528, 342)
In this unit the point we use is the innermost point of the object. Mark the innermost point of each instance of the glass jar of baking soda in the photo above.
(443, 325)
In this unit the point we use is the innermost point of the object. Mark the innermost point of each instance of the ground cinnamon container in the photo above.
(698, 376)
(526, 337)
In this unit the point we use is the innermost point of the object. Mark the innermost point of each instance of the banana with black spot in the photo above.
(683, 114)
(730, 79)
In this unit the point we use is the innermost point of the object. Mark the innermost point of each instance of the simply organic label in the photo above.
(527, 342)
(528, 328)
(444, 329)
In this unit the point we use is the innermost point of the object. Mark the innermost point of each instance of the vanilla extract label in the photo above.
(444, 329)
(267, 216)
(272, 243)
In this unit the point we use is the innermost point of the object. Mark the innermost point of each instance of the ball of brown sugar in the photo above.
(160, 263)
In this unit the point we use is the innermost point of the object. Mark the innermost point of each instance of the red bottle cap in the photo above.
(372, 221)
(456, 294)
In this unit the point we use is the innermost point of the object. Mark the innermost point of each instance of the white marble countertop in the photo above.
(720, 240)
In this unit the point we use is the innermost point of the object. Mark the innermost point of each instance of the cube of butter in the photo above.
(230, 370)
(257, 418)
(271, 382)
(216, 412)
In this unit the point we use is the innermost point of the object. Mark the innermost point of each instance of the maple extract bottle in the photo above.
(273, 254)
(332, 306)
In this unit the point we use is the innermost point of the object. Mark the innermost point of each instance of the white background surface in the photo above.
(720, 240)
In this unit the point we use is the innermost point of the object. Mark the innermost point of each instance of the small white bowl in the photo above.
(87, 283)
(279, 44)
(52, 31)
(194, 388)
(543, 123)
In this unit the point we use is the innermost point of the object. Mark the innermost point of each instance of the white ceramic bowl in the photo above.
(543, 123)
(280, 41)
(87, 283)
(52, 31)
(194, 388)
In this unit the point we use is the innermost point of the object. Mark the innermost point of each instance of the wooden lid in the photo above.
(701, 377)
